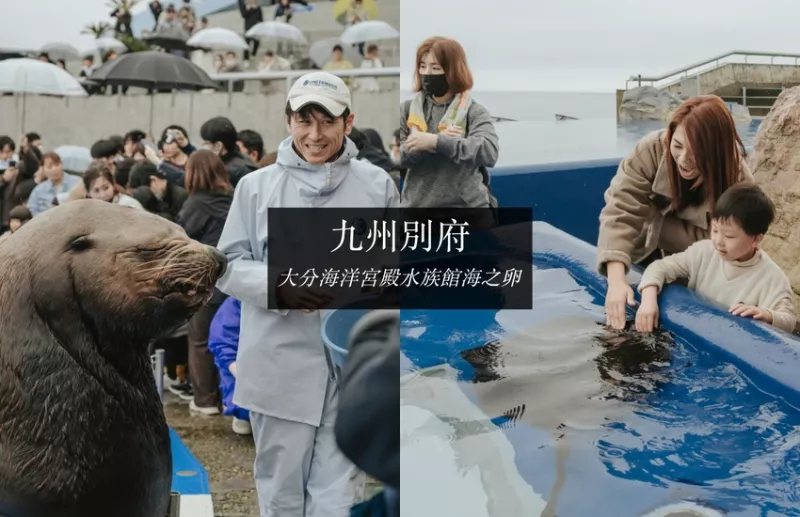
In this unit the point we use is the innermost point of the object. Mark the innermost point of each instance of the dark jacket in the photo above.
(203, 216)
(251, 16)
(6, 200)
(156, 10)
(174, 174)
(368, 421)
(369, 151)
(174, 199)
(238, 166)
(150, 202)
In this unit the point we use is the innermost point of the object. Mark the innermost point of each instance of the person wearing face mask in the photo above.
(447, 140)
(283, 374)
(661, 198)
(220, 137)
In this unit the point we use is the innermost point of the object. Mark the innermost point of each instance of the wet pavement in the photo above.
(227, 457)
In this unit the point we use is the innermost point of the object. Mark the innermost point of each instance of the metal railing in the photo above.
(291, 75)
(717, 61)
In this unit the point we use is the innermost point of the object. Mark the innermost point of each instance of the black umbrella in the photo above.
(10, 55)
(153, 70)
(167, 42)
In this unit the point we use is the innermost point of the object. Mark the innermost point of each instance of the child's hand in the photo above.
(751, 311)
(232, 368)
(647, 315)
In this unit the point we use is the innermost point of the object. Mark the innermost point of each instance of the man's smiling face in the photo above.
(316, 135)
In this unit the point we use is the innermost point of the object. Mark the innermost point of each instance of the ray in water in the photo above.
(633, 362)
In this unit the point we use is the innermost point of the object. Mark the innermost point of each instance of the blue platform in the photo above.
(727, 449)
(188, 475)
(189, 481)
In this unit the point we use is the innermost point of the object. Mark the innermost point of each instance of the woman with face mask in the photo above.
(664, 191)
(447, 139)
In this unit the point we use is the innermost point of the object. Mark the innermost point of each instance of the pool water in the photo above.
(545, 412)
(550, 141)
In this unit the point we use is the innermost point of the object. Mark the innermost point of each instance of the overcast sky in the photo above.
(593, 45)
(523, 45)
(37, 22)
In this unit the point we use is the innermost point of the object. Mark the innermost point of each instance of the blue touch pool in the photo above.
(544, 412)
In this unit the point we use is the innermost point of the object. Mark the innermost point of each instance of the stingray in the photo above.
(559, 374)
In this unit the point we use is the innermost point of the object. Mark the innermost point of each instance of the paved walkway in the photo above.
(227, 457)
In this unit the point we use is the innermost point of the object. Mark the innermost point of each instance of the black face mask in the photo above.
(435, 84)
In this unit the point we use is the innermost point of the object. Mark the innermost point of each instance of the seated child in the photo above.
(729, 268)
(17, 217)
(223, 342)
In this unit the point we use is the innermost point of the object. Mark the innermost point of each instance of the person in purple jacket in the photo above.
(223, 342)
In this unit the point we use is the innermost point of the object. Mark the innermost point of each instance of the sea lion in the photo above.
(84, 287)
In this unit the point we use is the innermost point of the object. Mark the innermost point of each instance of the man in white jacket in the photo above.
(283, 374)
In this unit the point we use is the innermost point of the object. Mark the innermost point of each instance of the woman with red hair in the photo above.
(447, 140)
(661, 198)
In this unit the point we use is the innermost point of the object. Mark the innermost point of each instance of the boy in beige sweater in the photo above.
(729, 268)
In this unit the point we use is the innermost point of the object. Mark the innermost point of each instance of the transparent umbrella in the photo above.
(217, 38)
(26, 76)
(105, 44)
(369, 31)
(60, 50)
(274, 30)
(75, 158)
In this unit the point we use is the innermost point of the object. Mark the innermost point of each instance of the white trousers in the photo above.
(299, 470)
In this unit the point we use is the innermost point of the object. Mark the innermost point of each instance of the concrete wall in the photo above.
(741, 73)
(82, 121)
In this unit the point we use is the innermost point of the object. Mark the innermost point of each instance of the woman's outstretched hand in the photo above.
(618, 296)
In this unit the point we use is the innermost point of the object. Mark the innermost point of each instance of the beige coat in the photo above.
(631, 225)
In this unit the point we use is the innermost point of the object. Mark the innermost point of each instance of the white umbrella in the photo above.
(27, 75)
(217, 38)
(369, 31)
(75, 158)
(277, 31)
(321, 50)
(106, 44)
(60, 50)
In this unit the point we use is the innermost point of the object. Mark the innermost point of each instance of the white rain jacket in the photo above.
(282, 369)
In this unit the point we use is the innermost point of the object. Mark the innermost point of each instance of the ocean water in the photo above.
(534, 136)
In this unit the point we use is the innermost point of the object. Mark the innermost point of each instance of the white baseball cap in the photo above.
(322, 88)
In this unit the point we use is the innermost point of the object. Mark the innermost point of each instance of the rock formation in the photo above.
(648, 103)
(775, 162)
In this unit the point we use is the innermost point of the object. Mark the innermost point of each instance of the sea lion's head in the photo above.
(121, 274)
